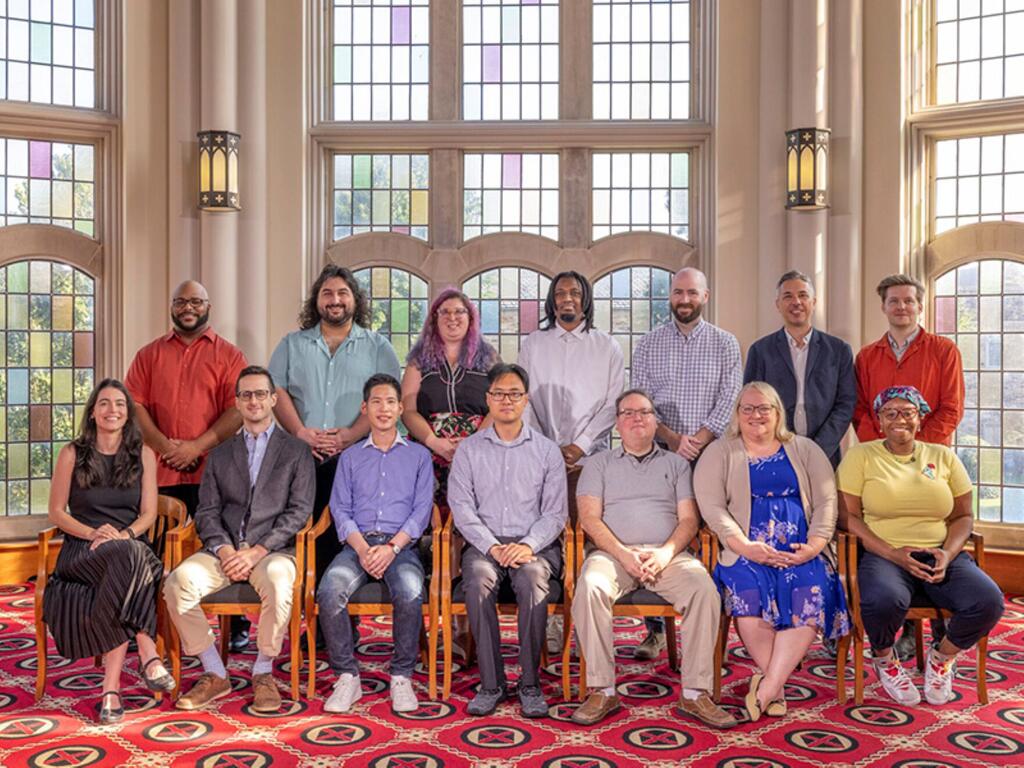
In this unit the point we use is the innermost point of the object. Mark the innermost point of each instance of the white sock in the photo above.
(210, 659)
(691, 693)
(609, 691)
(264, 665)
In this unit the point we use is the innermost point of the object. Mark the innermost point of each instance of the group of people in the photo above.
(502, 447)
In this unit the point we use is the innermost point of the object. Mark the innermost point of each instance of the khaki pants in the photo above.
(201, 574)
(684, 583)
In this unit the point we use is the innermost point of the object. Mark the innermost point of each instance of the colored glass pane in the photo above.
(510, 301)
(640, 191)
(392, 311)
(397, 202)
(510, 192)
(978, 178)
(45, 182)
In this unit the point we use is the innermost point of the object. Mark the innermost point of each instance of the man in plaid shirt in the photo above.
(693, 372)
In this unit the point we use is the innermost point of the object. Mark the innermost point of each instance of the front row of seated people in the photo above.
(768, 495)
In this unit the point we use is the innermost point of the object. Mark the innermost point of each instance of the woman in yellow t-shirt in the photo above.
(909, 503)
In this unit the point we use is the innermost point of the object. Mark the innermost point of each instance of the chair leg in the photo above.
(720, 648)
(672, 643)
(982, 673)
(858, 668)
(311, 654)
(582, 694)
(919, 643)
(446, 622)
(225, 638)
(566, 641)
(432, 654)
(40, 659)
(174, 653)
(841, 651)
(295, 642)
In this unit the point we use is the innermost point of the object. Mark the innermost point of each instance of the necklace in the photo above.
(913, 453)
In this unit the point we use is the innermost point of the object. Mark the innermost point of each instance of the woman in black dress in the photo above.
(103, 591)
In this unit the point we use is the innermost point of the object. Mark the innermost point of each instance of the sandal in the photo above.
(750, 702)
(776, 708)
(161, 683)
(110, 715)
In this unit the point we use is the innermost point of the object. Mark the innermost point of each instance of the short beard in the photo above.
(345, 317)
(689, 318)
(201, 320)
(568, 317)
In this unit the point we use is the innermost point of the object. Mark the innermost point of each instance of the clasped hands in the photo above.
(376, 559)
(238, 563)
(324, 442)
(933, 574)
(646, 565)
(512, 555)
(105, 533)
(182, 455)
(765, 554)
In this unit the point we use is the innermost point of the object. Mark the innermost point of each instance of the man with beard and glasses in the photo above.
(320, 371)
(693, 372)
(183, 384)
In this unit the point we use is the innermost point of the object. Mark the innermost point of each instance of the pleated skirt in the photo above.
(98, 599)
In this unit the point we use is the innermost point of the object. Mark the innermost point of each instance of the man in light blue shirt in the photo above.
(507, 493)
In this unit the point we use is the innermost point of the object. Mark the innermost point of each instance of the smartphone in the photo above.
(926, 558)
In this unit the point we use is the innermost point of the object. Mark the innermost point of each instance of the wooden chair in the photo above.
(373, 598)
(236, 599)
(640, 602)
(919, 610)
(453, 603)
(170, 514)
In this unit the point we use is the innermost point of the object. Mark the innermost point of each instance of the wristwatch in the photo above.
(395, 548)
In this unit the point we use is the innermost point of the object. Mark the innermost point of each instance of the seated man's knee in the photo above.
(480, 576)
(882, 597)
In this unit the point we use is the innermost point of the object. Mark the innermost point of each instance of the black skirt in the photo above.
(98, 599)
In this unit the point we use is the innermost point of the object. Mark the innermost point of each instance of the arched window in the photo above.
(629, 302)
(511, 302)
(398, 305)
(49, 368)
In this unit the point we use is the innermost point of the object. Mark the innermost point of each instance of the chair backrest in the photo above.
(170, 513)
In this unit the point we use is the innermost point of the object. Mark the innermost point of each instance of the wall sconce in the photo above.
(807, 168)
(218, 171)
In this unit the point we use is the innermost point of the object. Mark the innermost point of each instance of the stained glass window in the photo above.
(398, 305)
(641, 59)
(980, 305)
(978, 179)
(48, 321)
(43, 182)
(979, 50)
(48, 52)
(381, 66)
(511, 192)
(510, 59)
(641, 191)
(511, 301)
(381, 193)
(629, 302)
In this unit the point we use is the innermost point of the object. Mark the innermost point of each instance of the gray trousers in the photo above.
(483, 577)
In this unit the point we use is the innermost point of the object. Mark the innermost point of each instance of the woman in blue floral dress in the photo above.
(770, 498)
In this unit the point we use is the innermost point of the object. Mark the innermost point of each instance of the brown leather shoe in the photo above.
(207, 688)
(596, 708)
(705, 710)
(265, 696)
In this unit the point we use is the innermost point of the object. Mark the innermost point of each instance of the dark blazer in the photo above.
(830, 388)
(277, 507)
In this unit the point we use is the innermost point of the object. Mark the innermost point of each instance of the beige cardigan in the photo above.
(722, 487)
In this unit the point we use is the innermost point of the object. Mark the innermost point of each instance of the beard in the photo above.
(199, 323)
(684, 315)
(568, 317)
(342, 319)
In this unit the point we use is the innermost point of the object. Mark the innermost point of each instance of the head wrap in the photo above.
(908, 393)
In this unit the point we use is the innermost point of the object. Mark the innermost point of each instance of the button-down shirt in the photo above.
(899, 349)
(694, 379)
(327, 389)
(798, 354)
(256, 447)
(185, 388)
(515, 489)
(383, 491)
(575, 377)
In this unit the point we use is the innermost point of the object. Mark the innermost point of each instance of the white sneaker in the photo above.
(554, 634)
(347, 691)
(403, 697)
(938, 679)
(897, 683)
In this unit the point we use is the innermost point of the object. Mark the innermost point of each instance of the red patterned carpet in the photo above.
(61, 730)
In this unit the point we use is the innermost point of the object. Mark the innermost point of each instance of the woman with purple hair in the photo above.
(444, 389)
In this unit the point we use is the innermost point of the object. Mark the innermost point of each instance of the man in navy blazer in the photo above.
(811, 370)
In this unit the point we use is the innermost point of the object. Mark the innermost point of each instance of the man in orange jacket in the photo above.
(908, 355)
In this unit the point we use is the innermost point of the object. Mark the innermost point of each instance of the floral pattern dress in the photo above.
(801, 595)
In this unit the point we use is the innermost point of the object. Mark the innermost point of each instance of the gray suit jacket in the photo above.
(274, 510)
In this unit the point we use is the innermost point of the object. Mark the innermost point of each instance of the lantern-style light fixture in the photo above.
(807, 168)
(218, 171)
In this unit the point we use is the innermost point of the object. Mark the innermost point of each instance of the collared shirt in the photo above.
(694, 379)
(899, 349)
(327, 389)
(640, 496)
(575, 377)
(256, 447)
(798, 354)
(515, 489)
(383, 491)
(185, 388)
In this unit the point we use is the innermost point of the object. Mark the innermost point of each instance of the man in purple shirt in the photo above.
(381, 501)
(507, 493)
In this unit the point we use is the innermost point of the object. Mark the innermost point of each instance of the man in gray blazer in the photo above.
(256, 494)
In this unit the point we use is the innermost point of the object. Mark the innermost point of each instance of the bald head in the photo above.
(692, 273)
(190, 308)
(190, 289)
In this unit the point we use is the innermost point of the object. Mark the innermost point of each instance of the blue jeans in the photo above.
(404, 579)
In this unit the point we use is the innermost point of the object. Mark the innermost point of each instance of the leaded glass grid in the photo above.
(381, 193)
(978, 50)
(511, 302)
(48, 52)
(980, 306)
(641, 59)
(979, 178)
(629, 303)
(510, 59)
(510, 192)
(398, 305)
(647, 191)
(381, 59)
(44, 182)
(48, 354)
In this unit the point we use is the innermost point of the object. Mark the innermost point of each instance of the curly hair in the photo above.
(90, 469)
(427, 353)
(310, 316)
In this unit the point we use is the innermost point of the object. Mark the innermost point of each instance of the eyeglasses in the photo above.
(455, 314)
(194, 303)
(259, 395)
(898, 413)
(632, 413)
(762, 410)
(512, 397)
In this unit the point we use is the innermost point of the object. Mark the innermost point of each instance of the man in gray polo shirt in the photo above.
(636, 505)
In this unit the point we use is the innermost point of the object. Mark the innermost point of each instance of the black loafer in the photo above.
(110, 715)
(162, 683)
(239, 634)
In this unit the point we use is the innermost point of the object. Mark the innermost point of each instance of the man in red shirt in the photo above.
(908, 355)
